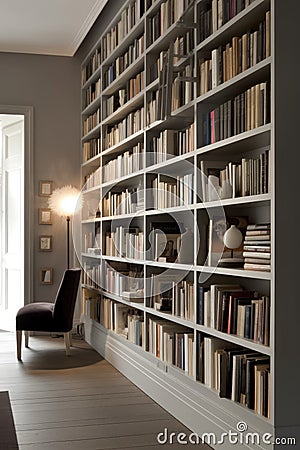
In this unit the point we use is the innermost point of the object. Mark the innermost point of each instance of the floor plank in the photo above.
(79, 402)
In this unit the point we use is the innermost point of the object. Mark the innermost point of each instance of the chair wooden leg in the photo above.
(67, 343)
(19, 345)
(26, 339)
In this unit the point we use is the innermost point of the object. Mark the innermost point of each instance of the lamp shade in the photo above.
(63, 201)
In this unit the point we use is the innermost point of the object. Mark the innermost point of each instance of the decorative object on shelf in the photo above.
(232, 238)
(45, 216)
(45, 243)
(46, 275)
(45, 188)
(63, 202)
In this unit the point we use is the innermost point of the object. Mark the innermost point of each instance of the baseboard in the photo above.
(197, 407)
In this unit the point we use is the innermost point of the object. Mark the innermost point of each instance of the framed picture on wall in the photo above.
(46, 275)
(45, 189)
(45, 216)
(45, 243)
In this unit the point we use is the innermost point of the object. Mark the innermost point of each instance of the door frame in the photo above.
(27, 112)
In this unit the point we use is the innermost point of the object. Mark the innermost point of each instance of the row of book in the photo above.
(125, 281)
(245, 112)
(171, 192)
(183, 46)
(170, 12)
(125, 242)
(92, 274)
(91, 149)
(92, 180)
(129, 17)
(257, 247)
(132, 123)
(220, 180)
(123, 320)
(214, 14)
(170, 143)
(233, 310)
(238, 374)
(91, 122)
(120, 203)
(124, 164)
(91, 93)
(122, 62)
(132, 87)
(172, 344)
(182, 91)
(240, 54)
(172, 297)
(92, 65)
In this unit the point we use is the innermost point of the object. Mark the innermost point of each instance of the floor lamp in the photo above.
(64, 201)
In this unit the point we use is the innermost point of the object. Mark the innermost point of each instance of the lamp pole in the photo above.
(68, 242)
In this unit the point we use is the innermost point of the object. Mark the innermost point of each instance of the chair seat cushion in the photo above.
(36, 317)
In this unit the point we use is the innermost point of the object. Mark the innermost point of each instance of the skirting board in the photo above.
(179, 394)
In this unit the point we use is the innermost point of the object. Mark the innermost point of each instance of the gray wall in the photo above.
(51, 85)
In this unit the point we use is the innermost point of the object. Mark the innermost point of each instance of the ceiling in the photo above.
(48, 27)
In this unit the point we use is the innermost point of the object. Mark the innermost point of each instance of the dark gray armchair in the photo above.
(54, 317)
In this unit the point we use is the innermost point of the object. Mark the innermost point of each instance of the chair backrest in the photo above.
(65, 300)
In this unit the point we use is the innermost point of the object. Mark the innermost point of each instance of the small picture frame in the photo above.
(45, 216)
(45, 188)
(45, 243)
(46, 275)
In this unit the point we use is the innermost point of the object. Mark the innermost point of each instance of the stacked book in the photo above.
(257, 247)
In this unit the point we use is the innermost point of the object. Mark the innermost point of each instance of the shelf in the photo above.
(123, 216)
(257, 200)
(170, 317)
(95, 132)
(235, 340)
(241, 143)
(123, 259)
(127, 108)
(87, 255)
(258, 73)
(121, 179)
(134, 33)
(240, 23)
(169, 162)
(128, 73)
(198, 406)
(170, 34)
(168, 265)
(92, 78)
(95, 104)
(235, 272)
(90, 190)
(175, 209)
(125, 143)
(94, 220)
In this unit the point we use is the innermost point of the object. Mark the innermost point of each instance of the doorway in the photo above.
(14, 202)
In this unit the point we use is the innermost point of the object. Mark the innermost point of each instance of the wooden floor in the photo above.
(79, 402)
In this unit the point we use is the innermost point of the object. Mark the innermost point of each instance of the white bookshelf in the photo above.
(197, 406)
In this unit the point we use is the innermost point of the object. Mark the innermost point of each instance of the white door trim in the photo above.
(27, 111)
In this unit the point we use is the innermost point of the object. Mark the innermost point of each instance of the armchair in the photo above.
(53, 317)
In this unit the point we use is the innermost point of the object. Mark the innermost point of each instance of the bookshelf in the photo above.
(168, 319)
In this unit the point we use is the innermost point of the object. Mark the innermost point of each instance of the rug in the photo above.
(8, 437)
